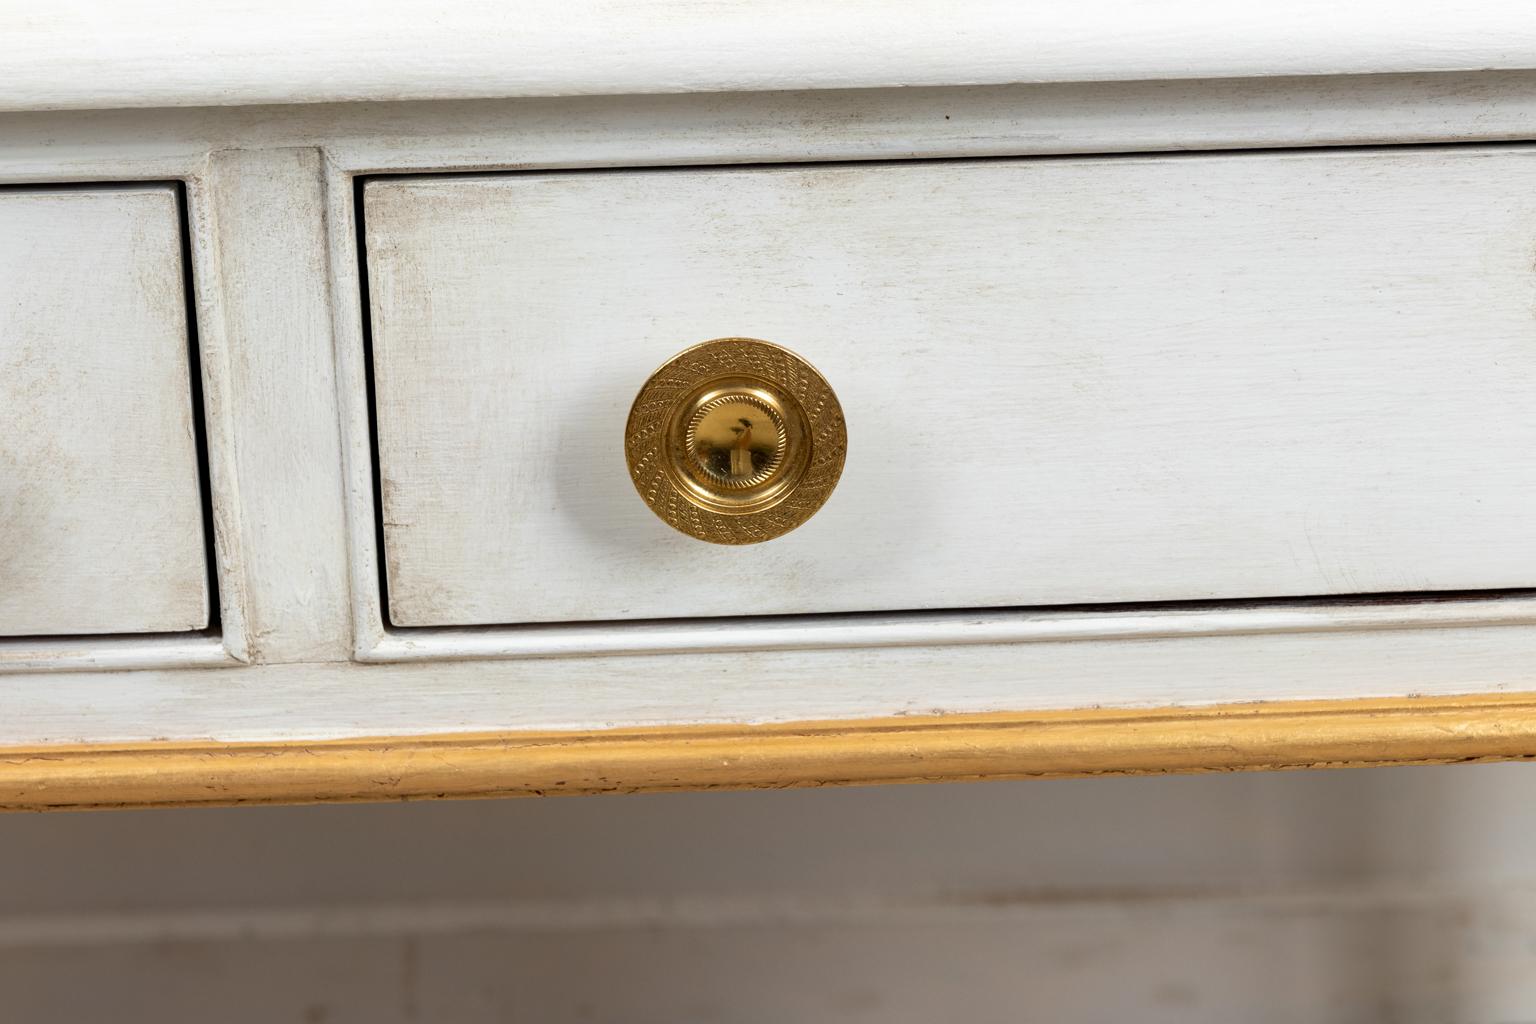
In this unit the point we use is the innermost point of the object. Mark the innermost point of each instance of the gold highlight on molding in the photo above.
(886, 750)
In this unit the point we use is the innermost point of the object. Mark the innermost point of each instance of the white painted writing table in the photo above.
(1179, 406)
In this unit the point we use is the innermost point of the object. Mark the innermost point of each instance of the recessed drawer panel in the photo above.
(1064, 380)
(101, 523)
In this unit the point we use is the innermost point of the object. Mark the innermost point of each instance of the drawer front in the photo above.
(1064, 380)
(101, 523)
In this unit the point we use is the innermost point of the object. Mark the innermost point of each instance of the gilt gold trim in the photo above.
(1299, 734)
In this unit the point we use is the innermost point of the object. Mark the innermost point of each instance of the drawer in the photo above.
(101, 512)
(1065, 381)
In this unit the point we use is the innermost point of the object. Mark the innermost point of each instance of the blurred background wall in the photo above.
(1399, 895)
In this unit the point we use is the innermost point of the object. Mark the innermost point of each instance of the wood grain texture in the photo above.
(101, 526)
(918, 749)
(1065, 381)
(237, 52)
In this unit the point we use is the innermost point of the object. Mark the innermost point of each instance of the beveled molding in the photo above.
(1004, 745)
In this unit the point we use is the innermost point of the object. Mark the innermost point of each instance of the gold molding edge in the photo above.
(931, 748)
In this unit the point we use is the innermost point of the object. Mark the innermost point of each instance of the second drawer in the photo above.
(1065, 380)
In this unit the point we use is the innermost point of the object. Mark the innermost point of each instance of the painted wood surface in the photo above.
(253, 216)
(275, 310)
(1074, 381)
(627, 131)
(101, 524)
(164, 53)
(446, 694)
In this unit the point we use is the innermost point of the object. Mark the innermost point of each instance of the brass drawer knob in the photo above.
(735, 441)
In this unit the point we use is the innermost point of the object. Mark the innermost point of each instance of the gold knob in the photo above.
(735, 441)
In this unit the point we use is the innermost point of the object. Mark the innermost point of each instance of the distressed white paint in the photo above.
(253, 222)
(1402, 895)
(270, 249)
(756, 127)
(444, 693)
(946, 628)
(1071, 381)
(96, 54)
(113, 654)
(101, 527)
